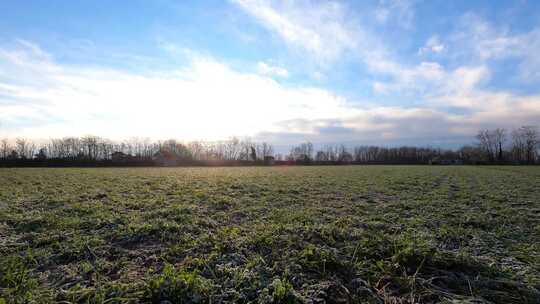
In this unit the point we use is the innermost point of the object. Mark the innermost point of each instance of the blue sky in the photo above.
(382, 72)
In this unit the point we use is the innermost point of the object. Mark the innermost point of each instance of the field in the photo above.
(351, 234)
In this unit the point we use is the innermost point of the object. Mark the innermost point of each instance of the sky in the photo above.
(386, 72)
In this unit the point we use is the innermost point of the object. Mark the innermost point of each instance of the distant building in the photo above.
(346, 158)
(269, 160)
(120, 156)
(165, 158)
(115, 156)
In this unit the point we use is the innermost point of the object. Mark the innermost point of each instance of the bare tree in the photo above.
(500, 139)
(343, 155)
(530, 134)
(253, 153)
(525, 141)
(197, 149)
(245, 153)
(21, 147)
(232, 149)
(4, 148)
(488, 143)
(302, 152)
(470, 154)
(331, 153)
(320, 156)
(90, 146)
(266, 150)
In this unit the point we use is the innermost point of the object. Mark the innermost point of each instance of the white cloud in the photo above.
(321, 29)
(271, 70)
(418, 125)
(400, 12)
(427, 81)
(433, 45)
(327, 32)
(408, 79)
(209, 100)
(484, 41)
(206, 99)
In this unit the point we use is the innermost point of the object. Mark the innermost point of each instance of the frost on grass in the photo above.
(377, 234)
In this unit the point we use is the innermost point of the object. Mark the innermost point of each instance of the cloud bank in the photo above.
(207, 99)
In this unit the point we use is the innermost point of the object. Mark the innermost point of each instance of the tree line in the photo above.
(519, 146)
(497, 146)
(97, 149)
